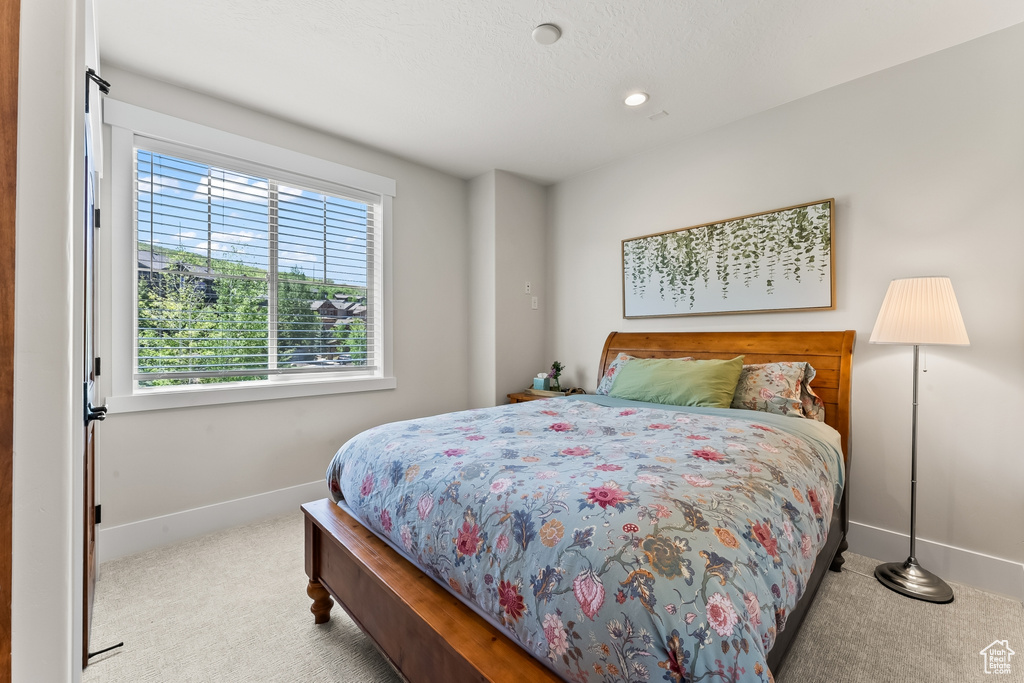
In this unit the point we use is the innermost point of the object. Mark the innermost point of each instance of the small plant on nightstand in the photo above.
(556, 371)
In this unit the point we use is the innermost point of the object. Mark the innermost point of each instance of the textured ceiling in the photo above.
(459, 84)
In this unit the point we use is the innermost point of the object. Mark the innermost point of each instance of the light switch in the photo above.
(529, 287)
(533, 303)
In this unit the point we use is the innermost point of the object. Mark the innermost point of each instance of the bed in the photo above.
(592, 539)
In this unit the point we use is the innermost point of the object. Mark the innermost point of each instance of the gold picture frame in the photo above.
(768, 262)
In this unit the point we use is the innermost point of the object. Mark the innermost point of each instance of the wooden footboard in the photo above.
(425, 631)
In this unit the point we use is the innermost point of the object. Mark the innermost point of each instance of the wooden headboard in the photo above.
(831, 354)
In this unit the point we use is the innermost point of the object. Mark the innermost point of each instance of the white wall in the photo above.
(508, 229)
(482, 308)
(926, 162)
(521, 220)
(166, 461)
(47, 543)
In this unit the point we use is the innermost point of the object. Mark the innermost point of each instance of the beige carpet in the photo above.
(232, 607)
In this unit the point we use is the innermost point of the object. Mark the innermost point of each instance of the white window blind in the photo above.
(243, 274)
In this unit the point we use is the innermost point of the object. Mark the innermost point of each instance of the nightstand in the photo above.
(522, 397)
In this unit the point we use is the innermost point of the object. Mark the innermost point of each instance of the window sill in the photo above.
(210, 395)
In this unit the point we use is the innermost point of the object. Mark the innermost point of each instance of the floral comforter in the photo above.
(614, 540)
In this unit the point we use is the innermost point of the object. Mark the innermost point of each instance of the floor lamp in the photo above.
(917, 311)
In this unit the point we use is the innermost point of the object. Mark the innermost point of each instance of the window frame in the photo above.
(117, 243)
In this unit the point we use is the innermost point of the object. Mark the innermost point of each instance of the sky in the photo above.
(197, 208)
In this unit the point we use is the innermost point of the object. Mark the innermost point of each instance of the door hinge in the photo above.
(99, 514)
(96, 218)
(92, 77)
(96, 367)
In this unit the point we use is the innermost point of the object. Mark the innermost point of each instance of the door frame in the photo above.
(10, 27)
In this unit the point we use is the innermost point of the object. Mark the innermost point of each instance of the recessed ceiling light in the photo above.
(547, 34)
(636, 99)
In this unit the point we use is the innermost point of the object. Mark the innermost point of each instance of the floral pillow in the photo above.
(609, 375)
(781, 388)
(614, 367)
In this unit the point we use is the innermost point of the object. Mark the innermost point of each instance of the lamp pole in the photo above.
(913, 465)
(909, 577)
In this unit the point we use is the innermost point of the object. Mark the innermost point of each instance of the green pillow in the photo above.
(671, 381)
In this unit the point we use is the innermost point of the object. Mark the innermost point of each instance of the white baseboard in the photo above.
(135, 537)
(992, 574)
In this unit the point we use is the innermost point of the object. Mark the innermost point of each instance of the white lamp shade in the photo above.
(920, 310)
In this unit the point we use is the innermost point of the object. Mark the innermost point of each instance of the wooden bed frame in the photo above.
(429, 635)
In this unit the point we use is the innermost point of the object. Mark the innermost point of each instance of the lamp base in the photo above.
(910, 579)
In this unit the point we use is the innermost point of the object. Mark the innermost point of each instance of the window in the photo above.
(252, 268)
(241, 277)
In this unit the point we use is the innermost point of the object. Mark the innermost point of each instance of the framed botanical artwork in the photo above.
(780, 260)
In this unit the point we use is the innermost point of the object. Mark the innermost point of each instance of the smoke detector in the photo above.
(547, 34)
